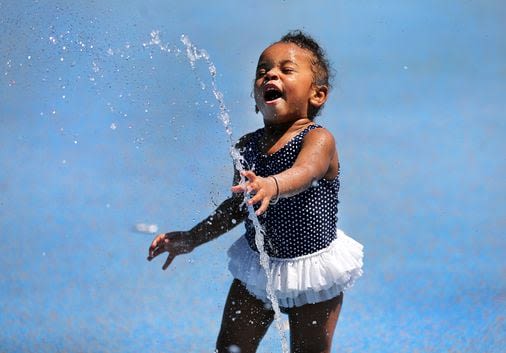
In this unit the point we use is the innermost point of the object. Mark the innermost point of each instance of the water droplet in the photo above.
(146, 228)
(113, 126)
(234, 349)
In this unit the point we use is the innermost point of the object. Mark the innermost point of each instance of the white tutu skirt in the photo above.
(302, 280)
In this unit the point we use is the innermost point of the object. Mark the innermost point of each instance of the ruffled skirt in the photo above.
(302, 280)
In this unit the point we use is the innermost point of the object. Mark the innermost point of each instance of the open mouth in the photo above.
(271, 94)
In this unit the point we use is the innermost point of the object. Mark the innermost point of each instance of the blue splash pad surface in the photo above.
(422, 178)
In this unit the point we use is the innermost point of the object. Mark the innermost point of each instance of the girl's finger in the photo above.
(156, 241)
(152, 249)
(263, 207)
(255, 199)
(158, 251)
(153, 245)
(249, 174)
(239, 188)
(169, 260)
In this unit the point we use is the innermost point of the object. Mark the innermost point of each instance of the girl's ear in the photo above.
(319, 96)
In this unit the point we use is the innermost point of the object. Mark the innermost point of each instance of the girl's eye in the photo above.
(288, 70)
(261, 72)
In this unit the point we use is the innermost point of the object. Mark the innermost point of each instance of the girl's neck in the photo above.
(278, 130)
(275, 136)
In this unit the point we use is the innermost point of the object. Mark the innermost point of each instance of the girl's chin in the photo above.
(276, 119)
(272, 117)
(277, 115)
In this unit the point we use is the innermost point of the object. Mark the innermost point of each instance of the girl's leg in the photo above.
(245, 321)
(312, 326)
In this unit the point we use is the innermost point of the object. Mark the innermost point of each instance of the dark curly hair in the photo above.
(321, 66)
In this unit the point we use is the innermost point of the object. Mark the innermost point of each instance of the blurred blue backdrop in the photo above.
(101, 131)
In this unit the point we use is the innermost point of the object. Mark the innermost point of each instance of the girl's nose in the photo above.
(271, 75)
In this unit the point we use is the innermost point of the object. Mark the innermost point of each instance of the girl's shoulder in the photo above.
(321, 138)
(317, 131)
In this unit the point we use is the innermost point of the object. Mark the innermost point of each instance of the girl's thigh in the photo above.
(245, 321)
(312, 326)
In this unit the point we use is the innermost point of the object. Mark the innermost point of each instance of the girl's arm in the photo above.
(317, 159)
(227, 215)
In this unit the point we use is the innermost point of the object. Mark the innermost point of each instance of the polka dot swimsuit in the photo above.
(298, 225)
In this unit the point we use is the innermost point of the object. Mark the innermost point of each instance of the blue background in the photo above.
(100, 131)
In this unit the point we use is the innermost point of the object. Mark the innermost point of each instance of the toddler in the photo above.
(292, 179)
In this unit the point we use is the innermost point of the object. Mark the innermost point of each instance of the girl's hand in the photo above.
(175, 243)
(262, 189)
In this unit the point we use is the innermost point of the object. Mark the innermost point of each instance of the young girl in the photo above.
(292, 177)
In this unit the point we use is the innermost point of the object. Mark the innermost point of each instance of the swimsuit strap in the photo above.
(297, 139)
(308, 128)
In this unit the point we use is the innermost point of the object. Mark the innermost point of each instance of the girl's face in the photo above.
(284, 89)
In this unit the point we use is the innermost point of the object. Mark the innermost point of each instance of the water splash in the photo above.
(194, 54)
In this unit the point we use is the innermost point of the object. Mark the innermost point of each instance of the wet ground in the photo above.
(99, 132)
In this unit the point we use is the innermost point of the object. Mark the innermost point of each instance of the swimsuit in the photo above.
(310, 259)
(297, 225)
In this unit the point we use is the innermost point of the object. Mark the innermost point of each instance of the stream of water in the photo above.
(194, 54)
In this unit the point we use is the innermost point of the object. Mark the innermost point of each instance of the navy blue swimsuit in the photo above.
(298, 225)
